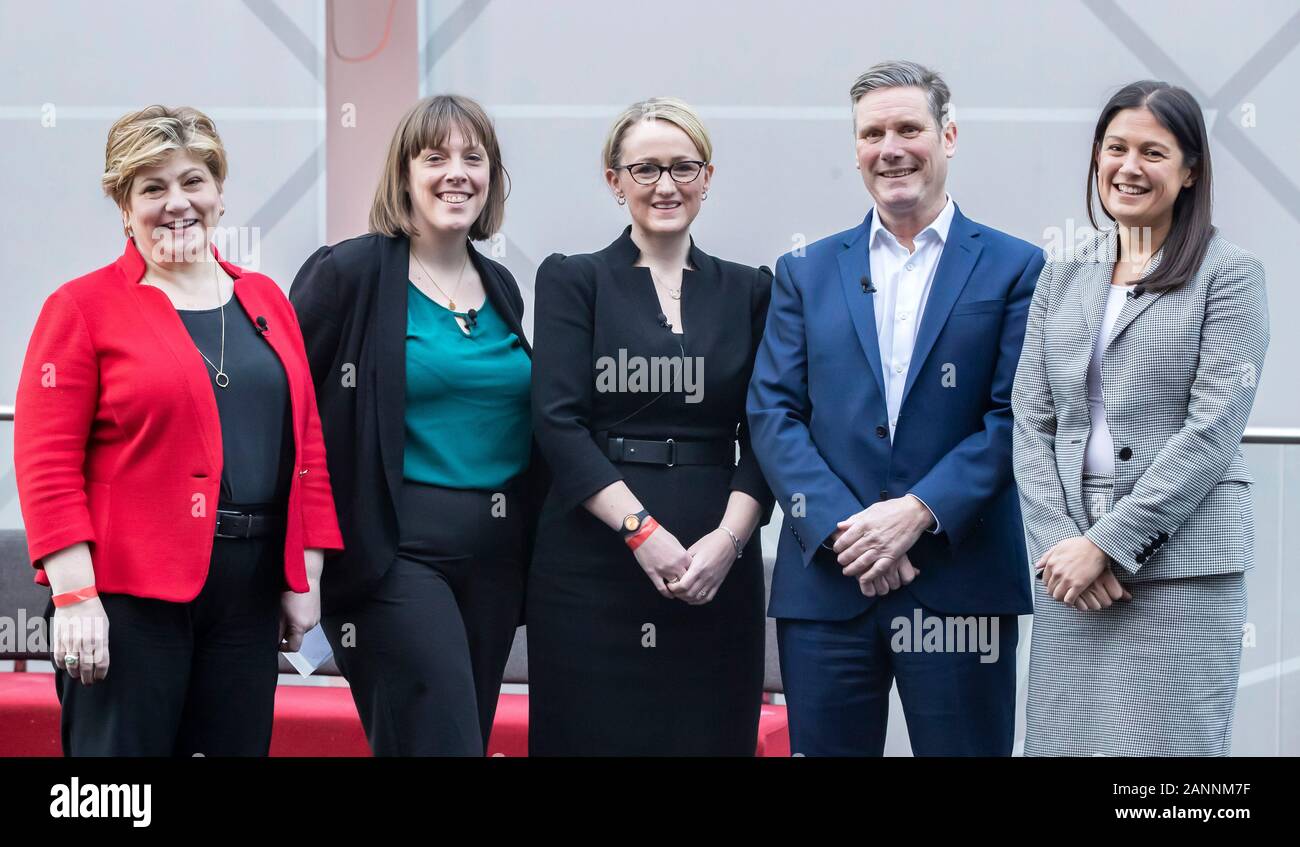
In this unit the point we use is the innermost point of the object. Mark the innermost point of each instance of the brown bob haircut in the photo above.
(427, 125)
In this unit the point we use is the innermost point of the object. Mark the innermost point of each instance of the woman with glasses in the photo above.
(645, 596)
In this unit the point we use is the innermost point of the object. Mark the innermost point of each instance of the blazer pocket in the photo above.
(977, 307)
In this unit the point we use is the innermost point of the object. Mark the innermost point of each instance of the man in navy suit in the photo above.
(880, 411)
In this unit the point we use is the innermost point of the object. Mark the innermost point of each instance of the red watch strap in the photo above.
(68, 598)
(638, 538)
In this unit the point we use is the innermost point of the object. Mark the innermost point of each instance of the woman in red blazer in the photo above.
(171, 469)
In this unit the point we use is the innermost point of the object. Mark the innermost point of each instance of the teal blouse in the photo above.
(467, 398)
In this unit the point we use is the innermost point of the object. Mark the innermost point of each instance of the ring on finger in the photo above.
(71, 660)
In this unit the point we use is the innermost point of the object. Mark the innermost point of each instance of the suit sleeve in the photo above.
(565, 306)
(1042, 496)
(961, 485)
(813, 498)
(1234, 339)
(748, 476)
(58, 394)
(314, 295)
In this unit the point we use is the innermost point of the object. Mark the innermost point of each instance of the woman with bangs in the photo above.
(423, 372)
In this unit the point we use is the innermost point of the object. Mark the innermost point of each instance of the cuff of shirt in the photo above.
(937, 527)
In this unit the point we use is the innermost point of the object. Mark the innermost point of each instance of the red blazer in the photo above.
(117, 441)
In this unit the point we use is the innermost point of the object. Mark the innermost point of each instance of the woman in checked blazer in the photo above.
(1140, 361)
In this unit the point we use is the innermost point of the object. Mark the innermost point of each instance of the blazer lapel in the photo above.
(1135, 306)
(498, 295)
(1095, 289)
(855, 267)
(389, 332)
(160, 316)
(960, 253)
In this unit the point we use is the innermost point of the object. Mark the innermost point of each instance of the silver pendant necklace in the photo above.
(221, 378)
(675, 293)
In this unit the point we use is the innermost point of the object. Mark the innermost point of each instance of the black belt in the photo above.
(248, 524)
(670, 452)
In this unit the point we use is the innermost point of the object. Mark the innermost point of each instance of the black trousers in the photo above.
(426, 651)
(186, 678)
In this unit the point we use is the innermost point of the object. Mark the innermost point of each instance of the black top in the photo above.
(351, 303)
(256, 420)
(596, 312)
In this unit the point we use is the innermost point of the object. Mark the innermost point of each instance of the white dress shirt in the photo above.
(1099, 454)
(903, 280)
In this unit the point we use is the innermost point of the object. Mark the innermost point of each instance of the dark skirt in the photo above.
(614, 668)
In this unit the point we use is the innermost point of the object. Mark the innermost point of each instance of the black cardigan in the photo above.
(351, 303)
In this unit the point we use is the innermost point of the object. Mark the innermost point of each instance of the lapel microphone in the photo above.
(867, 286)
(1137, 292)
(262, 328)
(471, 318)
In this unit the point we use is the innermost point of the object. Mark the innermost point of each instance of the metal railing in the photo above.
(1253, 434)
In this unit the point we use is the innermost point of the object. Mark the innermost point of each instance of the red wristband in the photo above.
(638, 538)
(69, 598)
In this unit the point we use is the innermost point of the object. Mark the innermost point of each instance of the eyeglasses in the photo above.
(648, 173)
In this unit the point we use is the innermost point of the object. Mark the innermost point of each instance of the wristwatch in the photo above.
(632, 524)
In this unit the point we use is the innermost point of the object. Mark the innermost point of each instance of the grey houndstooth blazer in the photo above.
(1178, 380)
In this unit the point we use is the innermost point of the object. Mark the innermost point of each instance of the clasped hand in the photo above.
(872, 545)
(691, 575)
(1075, 572)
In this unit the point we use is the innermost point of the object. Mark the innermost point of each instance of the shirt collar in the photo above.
(939, 226)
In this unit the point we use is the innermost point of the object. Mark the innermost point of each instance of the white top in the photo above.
(1099, 455)
(903, 279)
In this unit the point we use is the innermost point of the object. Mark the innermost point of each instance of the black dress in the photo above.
(614, 667)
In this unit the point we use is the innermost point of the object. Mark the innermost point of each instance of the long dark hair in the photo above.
(1189, 234)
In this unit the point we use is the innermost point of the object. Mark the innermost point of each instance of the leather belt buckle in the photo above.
(230, 524)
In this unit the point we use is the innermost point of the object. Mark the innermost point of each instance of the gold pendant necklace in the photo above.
(451, 301)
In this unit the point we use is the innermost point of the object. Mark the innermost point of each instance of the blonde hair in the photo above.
(669, 109)
(426, 125)
(145, 139)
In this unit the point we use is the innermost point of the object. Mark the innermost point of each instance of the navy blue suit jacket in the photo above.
(819, 425)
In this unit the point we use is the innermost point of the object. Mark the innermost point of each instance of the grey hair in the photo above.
(900, 74)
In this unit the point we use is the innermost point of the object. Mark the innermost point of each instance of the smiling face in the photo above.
(448, 184)
(902, 154)
(1140, 170)
(666, 207)
(172, 208)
